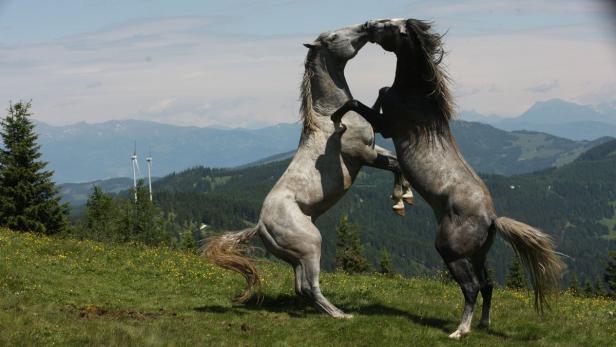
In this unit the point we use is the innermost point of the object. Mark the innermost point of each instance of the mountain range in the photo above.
(85, 152)
(558, 117)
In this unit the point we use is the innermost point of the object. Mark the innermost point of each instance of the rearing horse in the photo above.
(326, 163)
(417, 109)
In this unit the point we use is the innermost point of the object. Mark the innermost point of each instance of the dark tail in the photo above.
(536, 251)
(228, 251)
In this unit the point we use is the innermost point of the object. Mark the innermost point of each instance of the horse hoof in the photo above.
(458, 334)
(343, 316)
(399, 211)
(484, 325)
(408, 199)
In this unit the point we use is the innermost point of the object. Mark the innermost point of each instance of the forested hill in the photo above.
(496, 151)
(575, 203)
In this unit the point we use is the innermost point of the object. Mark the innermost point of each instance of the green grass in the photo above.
(68, 292)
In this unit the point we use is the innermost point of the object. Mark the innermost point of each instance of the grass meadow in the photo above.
(66, 292)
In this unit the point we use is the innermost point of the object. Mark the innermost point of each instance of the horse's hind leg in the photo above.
(311, 288)
(296, 240)
(463, 272)
(486, 287)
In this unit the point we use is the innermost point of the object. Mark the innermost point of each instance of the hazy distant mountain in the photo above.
(562, 118)
(474, 116)
(86, 152)
(77, 193)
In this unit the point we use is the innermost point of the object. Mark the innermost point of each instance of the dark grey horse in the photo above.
(416, 111)
(326, 163)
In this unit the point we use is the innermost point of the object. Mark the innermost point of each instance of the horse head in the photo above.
(342, 44)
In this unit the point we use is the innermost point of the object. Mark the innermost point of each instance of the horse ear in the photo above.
(312, 45)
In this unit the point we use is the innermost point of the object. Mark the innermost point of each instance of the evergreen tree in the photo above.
(588, 289)
(600, 289)
(515, 277)
(142, 220)
(29, 199)
(385, 263)
(187, 238)
(610, 273)
(101, 217)
(349, 257)
(574, 284)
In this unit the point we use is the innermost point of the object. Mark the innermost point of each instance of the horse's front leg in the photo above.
(373, 116)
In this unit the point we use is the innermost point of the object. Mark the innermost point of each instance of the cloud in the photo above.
(183, 71)
(543, 87)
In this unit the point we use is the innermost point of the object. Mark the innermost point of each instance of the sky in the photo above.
(239, 63)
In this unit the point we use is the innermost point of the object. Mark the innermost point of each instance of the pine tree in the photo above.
(574, 284)
(142, 220)
(600, 289)
(588, 289)
(515, 277)
(29, 199)
(187, 238)
(385, 264)
(610, 273)
(101, 217)
(349, 256)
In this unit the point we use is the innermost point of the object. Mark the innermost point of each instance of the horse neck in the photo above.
(329, 88)
(425, 120)
(406, 74)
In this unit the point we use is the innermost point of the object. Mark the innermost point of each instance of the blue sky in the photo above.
(238, 63)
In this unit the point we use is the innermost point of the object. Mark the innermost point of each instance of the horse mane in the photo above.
(306, 109)
(431, 52)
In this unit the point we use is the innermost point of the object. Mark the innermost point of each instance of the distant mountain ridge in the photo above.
(85, 152)
(559, 117)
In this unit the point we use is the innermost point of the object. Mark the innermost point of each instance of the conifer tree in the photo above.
(588, 289)
(187, 237)
(101, 217)
(600, 289)
(574, 284)
(610, 273)
(349, 257)
(515, 277)
(385, 263)
(29, 199)
(142, 220)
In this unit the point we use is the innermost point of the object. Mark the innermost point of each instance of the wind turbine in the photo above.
(149, 160)
(135, 170)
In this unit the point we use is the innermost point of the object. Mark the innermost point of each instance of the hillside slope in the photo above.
(69, 292)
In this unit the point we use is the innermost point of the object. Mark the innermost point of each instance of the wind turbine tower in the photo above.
(135, 170)
(149, 160)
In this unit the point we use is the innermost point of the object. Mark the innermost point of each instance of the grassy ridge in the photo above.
(69, 292)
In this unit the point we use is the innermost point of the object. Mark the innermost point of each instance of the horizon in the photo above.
(460, 116)
(239, 65)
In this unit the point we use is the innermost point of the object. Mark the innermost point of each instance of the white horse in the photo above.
(326, 163)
